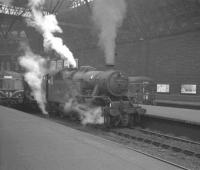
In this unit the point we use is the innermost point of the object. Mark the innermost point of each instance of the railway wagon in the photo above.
(11, 88)
(88, 86)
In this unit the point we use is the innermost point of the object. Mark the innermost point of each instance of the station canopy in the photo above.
(145, 19)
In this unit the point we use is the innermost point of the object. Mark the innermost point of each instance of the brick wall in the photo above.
(174, 60)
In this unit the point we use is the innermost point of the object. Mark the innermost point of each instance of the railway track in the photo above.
(175, 144)
(168, 136)
(160, 159)
(138, 137)
(108, 135)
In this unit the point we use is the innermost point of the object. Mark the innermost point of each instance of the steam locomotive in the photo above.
(88, 86)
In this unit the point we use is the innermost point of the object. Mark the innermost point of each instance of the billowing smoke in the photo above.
(47, 25)
(86, 114)
(108, 16)
(34, 65)
(91, 115)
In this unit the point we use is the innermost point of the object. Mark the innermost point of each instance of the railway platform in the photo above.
(30, 142)
(190, 116)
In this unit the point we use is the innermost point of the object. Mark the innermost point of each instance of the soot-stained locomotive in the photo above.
(88, 86)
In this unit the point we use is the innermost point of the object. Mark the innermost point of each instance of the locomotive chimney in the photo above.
(111, 64)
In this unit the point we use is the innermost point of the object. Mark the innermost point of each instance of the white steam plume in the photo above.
(47, 25)
(108, 16)
(34, 65)
(91, 115)
(87, 114)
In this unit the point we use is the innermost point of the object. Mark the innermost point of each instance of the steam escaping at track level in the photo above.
(108, 16)
(48, 25)
(92, 96)
(86, 114)
(64, 98)
(34, 65)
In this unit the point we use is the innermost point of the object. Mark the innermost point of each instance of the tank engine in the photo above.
(107, 89)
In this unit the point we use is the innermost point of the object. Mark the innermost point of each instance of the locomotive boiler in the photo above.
(88, 86)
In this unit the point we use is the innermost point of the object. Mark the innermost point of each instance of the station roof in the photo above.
(145, 19)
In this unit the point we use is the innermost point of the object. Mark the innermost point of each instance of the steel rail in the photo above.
(168, 136)
(155, 143)
(88, 130)
(105, 137)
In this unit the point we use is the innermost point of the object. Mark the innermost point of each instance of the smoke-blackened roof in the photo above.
(145, 19)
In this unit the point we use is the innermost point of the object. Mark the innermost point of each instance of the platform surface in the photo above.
(185, 115)
(28, 142)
